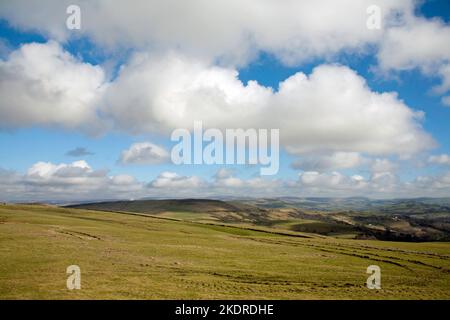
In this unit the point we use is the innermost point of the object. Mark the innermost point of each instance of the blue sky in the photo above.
(25, 144)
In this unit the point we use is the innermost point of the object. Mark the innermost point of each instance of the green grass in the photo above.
(124, 256)
(323, 228)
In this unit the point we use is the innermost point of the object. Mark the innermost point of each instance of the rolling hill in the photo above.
(358, 218)
(124, 255)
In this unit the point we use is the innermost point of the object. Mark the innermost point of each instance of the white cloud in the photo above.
(41, 84)
(443, 159)
(309, 183)
(230, 182)
(382, 165)
(232, 30)
(337, 160)
(144, 153)
(77, 181)
(444, 72)
(223, 173)
(344, 160)
(334, 180)
(172, 180)
(381, 184)
(386, 183)
(224, 178)
(162, 93)
(435, 185)
(48, 170)
(66, 182)
(184, 68)
(349, 117)
(418, 43)
(225, 181)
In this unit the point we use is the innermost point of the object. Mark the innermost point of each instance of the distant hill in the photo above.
(156, 206)
(209, 209)
(398, 206)
(423, 219)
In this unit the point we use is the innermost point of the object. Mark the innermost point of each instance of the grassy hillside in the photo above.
(136, 256)
(192, 209)
(154, 206)
(415, 220)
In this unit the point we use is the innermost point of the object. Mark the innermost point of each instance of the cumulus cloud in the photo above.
(172, 180)
(443, 159)
(46, 181)
(439, 185)
(232, 31)
(224, 177)
(41, 84)
(160, 93)
(386, 183)
(299, 30)
(49, 171)
(78, 181)
(337, 160)
(326, 181)
(382, 165)
(312, 183)
(144, 153)
(226, 181)
(163, 93)
(181, 71)
(418, 43)
(379, 184)
(344, 160)
(319, 167)
(429, 39)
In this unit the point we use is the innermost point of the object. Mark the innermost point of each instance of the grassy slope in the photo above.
(395, 221)
(129, 256)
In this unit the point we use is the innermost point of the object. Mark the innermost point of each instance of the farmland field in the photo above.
(141, 256)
